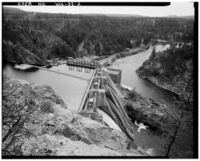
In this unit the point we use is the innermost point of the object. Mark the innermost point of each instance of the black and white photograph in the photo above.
(99, 79)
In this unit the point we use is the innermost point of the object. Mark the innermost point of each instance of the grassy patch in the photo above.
(47, 107)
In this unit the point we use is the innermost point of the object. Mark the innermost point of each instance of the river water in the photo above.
(131, 80)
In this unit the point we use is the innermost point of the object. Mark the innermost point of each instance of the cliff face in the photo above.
(171, 70)
(37, 122)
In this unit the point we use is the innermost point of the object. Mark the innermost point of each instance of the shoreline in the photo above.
(159, 85)
(166, 87)
(112, 58)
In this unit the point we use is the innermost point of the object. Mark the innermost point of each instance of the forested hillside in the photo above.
(35, 37)
(172, 70)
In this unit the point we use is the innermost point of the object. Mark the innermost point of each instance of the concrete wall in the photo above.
(115, 75)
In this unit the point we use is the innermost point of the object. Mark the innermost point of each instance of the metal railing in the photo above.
(86, 92)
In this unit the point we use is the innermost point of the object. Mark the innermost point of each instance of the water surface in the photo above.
(131, 80)
(70, 89)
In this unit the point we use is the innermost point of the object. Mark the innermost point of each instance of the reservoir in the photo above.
(70, 89)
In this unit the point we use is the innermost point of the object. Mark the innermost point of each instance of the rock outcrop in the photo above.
(157, 116)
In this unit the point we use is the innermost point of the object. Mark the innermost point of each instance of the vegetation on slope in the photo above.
(172, 70)
(62, 35)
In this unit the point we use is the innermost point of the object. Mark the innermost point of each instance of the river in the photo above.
(131, 80)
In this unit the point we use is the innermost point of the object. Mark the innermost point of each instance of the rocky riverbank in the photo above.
(171, 70)
(36, 122)
(161, 122)
(178, 88)
(146, 110)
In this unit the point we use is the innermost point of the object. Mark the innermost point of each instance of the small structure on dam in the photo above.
(92, 64)
(115, 75)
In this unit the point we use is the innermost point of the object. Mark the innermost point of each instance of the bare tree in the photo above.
(15, 112)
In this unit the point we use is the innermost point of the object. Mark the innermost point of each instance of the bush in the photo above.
(46, 106)
(132, 94)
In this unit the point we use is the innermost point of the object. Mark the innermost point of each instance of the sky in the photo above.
(176, 8)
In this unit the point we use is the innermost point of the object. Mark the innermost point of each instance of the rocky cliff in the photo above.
(36, 122)
(156, 116)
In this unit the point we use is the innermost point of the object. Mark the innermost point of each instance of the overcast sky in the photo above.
(176, 8)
